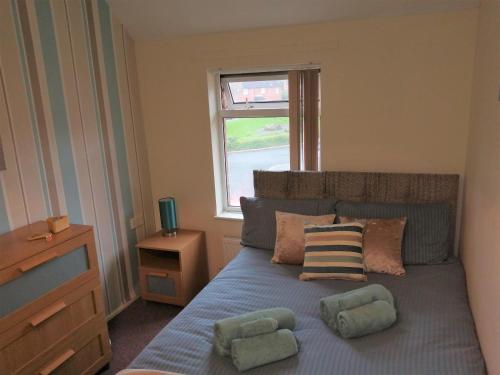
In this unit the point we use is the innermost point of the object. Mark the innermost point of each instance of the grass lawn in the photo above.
(252, 133)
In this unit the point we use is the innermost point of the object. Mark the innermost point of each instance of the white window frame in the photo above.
(223, 210)
(253, 105)
(257, 110)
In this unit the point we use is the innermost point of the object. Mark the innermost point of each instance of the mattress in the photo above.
(434, 333)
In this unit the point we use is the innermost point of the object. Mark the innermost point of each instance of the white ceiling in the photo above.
(154, 19)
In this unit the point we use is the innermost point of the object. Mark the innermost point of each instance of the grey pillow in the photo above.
(259, 226)
(427, 227)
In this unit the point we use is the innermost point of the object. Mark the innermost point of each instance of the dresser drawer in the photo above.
(27, 281)
(84, 352)
(161, 285)
(39, 332)
(87, 360)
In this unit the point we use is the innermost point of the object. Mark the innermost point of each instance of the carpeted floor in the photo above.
(132, 329)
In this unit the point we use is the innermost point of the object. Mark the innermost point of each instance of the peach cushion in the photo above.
(382, 242)
(290, 240)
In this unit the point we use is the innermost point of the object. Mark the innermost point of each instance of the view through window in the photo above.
(254, 143)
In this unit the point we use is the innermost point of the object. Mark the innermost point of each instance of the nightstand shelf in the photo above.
(168, 260)
(172, 269)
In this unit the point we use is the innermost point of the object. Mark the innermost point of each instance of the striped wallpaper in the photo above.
(71, 130)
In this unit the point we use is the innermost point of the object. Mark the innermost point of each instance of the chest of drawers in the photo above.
(52, 318)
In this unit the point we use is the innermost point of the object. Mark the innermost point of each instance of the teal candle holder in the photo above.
(168, 216)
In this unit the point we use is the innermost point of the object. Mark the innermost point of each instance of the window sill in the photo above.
(229, 215)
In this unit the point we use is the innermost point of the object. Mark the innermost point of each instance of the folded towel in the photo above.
(260, 350)
(366, 319)
(258, 327)
(329, 307)
(226, 330)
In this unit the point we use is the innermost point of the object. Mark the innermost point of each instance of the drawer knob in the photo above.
(47, 313)
(57, 362)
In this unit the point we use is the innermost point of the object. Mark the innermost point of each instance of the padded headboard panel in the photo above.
(362, 187)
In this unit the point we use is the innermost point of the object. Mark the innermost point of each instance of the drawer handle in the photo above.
(47, 313)
(26, 266)
(158, 274)
(57, 362)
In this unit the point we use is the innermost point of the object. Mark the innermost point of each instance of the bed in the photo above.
(434, 334)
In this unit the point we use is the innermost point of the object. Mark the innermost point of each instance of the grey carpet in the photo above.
(132, 329)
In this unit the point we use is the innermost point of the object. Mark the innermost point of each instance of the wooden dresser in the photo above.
(52, 318)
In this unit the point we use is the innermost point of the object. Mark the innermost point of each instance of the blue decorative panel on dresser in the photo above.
(42, 279)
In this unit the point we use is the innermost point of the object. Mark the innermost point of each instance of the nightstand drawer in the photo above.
(161, 285)
(27, 340)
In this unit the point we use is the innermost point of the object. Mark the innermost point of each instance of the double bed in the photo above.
(434, 333)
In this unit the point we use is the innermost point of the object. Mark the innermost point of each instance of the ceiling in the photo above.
(155, 19)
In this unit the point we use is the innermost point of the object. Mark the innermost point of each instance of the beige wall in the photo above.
(481, 234)
(396, 95)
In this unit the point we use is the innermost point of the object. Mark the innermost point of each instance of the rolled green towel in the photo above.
(366, 319)
(330, 306)
(260, 350)
(258, 327)
(226, 330)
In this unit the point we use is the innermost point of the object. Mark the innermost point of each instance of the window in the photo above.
(265, 121)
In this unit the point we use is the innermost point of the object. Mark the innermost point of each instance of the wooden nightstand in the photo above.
(172, 269)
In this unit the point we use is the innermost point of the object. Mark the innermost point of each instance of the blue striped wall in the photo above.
(66, 95)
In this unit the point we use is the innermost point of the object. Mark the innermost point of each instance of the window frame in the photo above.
(240, 111)
(223, 210)
(252, 77)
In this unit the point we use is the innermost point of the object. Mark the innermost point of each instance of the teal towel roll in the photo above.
(258, 327)
(366, 319)
(329, 307)
(263, 349)
(226, 330)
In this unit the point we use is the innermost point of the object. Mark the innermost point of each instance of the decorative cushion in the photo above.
(259, 225)
(382, 241)
(289, 247)
(334, 252)
(427, 227)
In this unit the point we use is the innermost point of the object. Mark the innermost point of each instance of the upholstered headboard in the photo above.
(362, 187)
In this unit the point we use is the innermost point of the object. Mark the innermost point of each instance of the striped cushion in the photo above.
(334, 252)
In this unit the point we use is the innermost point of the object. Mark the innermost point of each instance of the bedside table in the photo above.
(172, 269)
